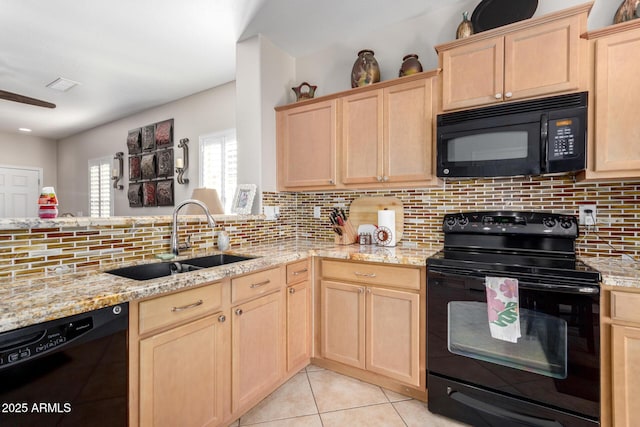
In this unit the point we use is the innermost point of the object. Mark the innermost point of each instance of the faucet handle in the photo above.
(186, 244)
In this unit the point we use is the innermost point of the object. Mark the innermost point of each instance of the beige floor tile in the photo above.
(415, 414)
(308, 421)
(367, 416)
(236, 423)
(292, 399)
(395, 397)
(334, 391)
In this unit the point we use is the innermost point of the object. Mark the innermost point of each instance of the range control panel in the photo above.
(511, 222)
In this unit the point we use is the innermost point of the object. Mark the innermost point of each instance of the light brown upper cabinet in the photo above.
(307, 137)
(614, 133)
(376, 136)
(527, 59)
(387, 134)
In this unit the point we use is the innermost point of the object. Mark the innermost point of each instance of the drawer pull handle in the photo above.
(239, 312)
(187, 307)
(357, 273)
(222, 318)
(304, 270)
(292, 291)
(257, 285)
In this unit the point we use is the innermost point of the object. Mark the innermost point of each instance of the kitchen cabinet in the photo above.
(387, 134)
(307, 138)
(376, 136)
(527, 59)
(180, 359)
(614, 135)
(298, 316)
(621, 358)
(257, 336)
(372, 318)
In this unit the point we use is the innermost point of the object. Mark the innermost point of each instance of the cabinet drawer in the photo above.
(298, 271)
(374, 274)
(624, 306)
(255, 284)
(164, 311)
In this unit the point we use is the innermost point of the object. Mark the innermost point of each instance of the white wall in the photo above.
(206, 112)
(31, 151)
(330, 69)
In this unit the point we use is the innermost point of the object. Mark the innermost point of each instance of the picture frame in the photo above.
(243, 199)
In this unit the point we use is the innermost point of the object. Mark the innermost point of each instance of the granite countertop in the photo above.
(616, 272)
(38, 299)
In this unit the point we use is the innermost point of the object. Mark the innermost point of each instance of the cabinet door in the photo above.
(543, 59)
(342, 323)
(617, 134)
(625, 354)
(183, 374)
(473, 74)
(298, 325)
(258, 347)
(362, 135)
(408, 116)
(393, 325)
(307, 138)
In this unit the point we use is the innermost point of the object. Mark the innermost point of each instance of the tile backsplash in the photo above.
(618, 208)
(49, 250)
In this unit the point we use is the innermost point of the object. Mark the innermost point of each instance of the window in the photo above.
(219, 165)
(100, 188)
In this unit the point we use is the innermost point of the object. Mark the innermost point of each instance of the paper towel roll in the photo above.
(387, 219)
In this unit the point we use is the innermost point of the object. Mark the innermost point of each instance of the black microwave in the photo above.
(536, 137)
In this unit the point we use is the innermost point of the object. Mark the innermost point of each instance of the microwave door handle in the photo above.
(544, 138)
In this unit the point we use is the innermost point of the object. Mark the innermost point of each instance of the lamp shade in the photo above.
(209, 197)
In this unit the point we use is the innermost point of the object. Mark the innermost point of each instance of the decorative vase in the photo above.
(465, 29)
(302, 95)
(626, 11)
(365, 70)
(410, 65)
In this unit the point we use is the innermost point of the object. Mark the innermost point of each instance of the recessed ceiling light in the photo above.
(62, 84)
(24, 129)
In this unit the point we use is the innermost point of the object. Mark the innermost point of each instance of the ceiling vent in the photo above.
(61, 84)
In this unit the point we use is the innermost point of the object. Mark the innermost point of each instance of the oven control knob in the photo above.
(463, 221)
(549, 222)
(451, 221)
(565, 223)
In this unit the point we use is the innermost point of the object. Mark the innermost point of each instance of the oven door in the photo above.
(554, 364)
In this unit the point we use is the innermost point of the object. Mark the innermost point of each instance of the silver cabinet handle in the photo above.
(257, 285)
(498, 96)
(222, 318)
(508, 95)
(331, 181)
(368, 290)
(360, 290)
(304, 270)
(357, 273)
(239, 312)
(186, 307)
(385, 178)
(379, 178)
(292, 291)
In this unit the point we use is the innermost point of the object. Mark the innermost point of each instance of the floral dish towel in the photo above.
(502, 308)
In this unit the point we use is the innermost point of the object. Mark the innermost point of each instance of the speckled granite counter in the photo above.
(616, 271)
(33, 300)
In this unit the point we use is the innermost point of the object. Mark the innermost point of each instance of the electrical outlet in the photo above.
(587, 218)
(316, 212)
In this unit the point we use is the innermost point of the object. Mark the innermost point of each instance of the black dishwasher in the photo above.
(66, 372)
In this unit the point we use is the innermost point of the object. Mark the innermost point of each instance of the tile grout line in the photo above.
(315, 402)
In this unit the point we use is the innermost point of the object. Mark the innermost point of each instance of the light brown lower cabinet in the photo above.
(372, 328)
(182, 374)
(298, 325)
(257, 348)
(625, 372)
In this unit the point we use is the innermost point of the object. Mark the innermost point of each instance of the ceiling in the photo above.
(131, 55)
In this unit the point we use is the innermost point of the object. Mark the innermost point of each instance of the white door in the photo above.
(19, 191)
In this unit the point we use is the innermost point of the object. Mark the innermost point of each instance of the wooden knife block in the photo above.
(349, 235)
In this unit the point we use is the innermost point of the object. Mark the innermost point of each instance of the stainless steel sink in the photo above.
(161, 269)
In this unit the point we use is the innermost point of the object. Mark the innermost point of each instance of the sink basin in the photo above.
(161, 269)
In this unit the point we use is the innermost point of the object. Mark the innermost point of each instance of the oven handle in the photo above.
(500, 412)
(554, 287)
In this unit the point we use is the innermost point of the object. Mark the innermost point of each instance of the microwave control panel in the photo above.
(562, 138)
